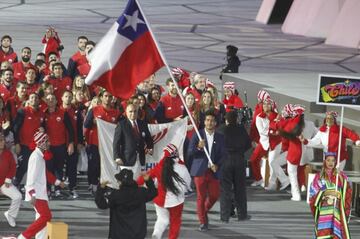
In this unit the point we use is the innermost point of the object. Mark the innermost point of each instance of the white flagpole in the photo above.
(338, 154)
(176, 85)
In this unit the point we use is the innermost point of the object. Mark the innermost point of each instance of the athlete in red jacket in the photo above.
(78, 58)
(59, 81)
(170, 107)
(104, 112)
(17, 101)
(21, 67)
(231, 100)
(58, 126)
(7, 172)
(76, 119)
(52, 42)
(7, 53)
(27, 121)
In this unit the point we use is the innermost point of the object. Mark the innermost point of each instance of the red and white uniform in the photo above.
(14, 103)
(271, 143)
(183, 77)
(294, 146)
(168, 205)
(328, 138)
(197, 95)
(38, 176)
(20, 70)
(261, 96)
(9, 56)
(8, 167)
(58, 127)
(51, 45)
(33, 88)
(7, 172)
(6, 93)
(60, 85)
(109, 115)
(173, 107)
(233, 102)
(84, 69)
(76, 60)
(254, 134)
(37, 179)
(32, 120)
(76, 123)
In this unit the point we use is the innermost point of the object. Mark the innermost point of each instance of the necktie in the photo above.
(135, 129)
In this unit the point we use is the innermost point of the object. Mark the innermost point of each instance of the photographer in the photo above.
(52, 42)
(233, 61)
(127, 205)
(233, 170)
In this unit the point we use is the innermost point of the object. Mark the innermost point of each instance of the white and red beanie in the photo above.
(40, 139)
(298, 109)
(334, 114)
(177, 72)
(209, 83)
(286, 111)
(292, 110)
(262, 95)
(229, 86)
(171, 151)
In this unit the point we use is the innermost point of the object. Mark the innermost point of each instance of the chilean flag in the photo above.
(125, 56)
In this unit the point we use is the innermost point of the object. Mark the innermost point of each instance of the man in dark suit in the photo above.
(132, 140)
(206, 175)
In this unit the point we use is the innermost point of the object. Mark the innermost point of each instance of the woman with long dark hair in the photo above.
(290, 127)
(330, 200)
(173, 181)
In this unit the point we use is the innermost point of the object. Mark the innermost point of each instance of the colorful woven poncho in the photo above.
(330, 215)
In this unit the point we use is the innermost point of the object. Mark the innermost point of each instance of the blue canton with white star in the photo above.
(131, 22)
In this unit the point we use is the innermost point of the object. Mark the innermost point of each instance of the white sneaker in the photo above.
(296, 198)
(21, 237)
(303, 188)
(57, 193)
(74, 194)
(271, 187)
(10, 219)
(256, 183)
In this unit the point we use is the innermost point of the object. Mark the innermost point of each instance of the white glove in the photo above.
(357, 143)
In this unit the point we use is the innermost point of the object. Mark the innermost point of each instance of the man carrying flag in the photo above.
(126, 55)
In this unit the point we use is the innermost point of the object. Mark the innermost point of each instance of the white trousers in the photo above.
(292, 171)
(13, 193)
(136, 169)
(275, 169)
(162, 221)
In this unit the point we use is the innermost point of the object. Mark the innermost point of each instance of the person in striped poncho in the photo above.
(330, 207)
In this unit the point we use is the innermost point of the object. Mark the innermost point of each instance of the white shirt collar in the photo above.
(208, 133)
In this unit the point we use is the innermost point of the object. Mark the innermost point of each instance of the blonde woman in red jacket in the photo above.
(173, 181)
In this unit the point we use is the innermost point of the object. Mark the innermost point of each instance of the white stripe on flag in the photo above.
(106, 53)
(175, 134)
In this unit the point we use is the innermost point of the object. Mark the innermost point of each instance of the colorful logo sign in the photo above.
(338, 90)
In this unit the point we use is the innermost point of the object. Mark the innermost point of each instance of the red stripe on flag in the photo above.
(139, 60)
